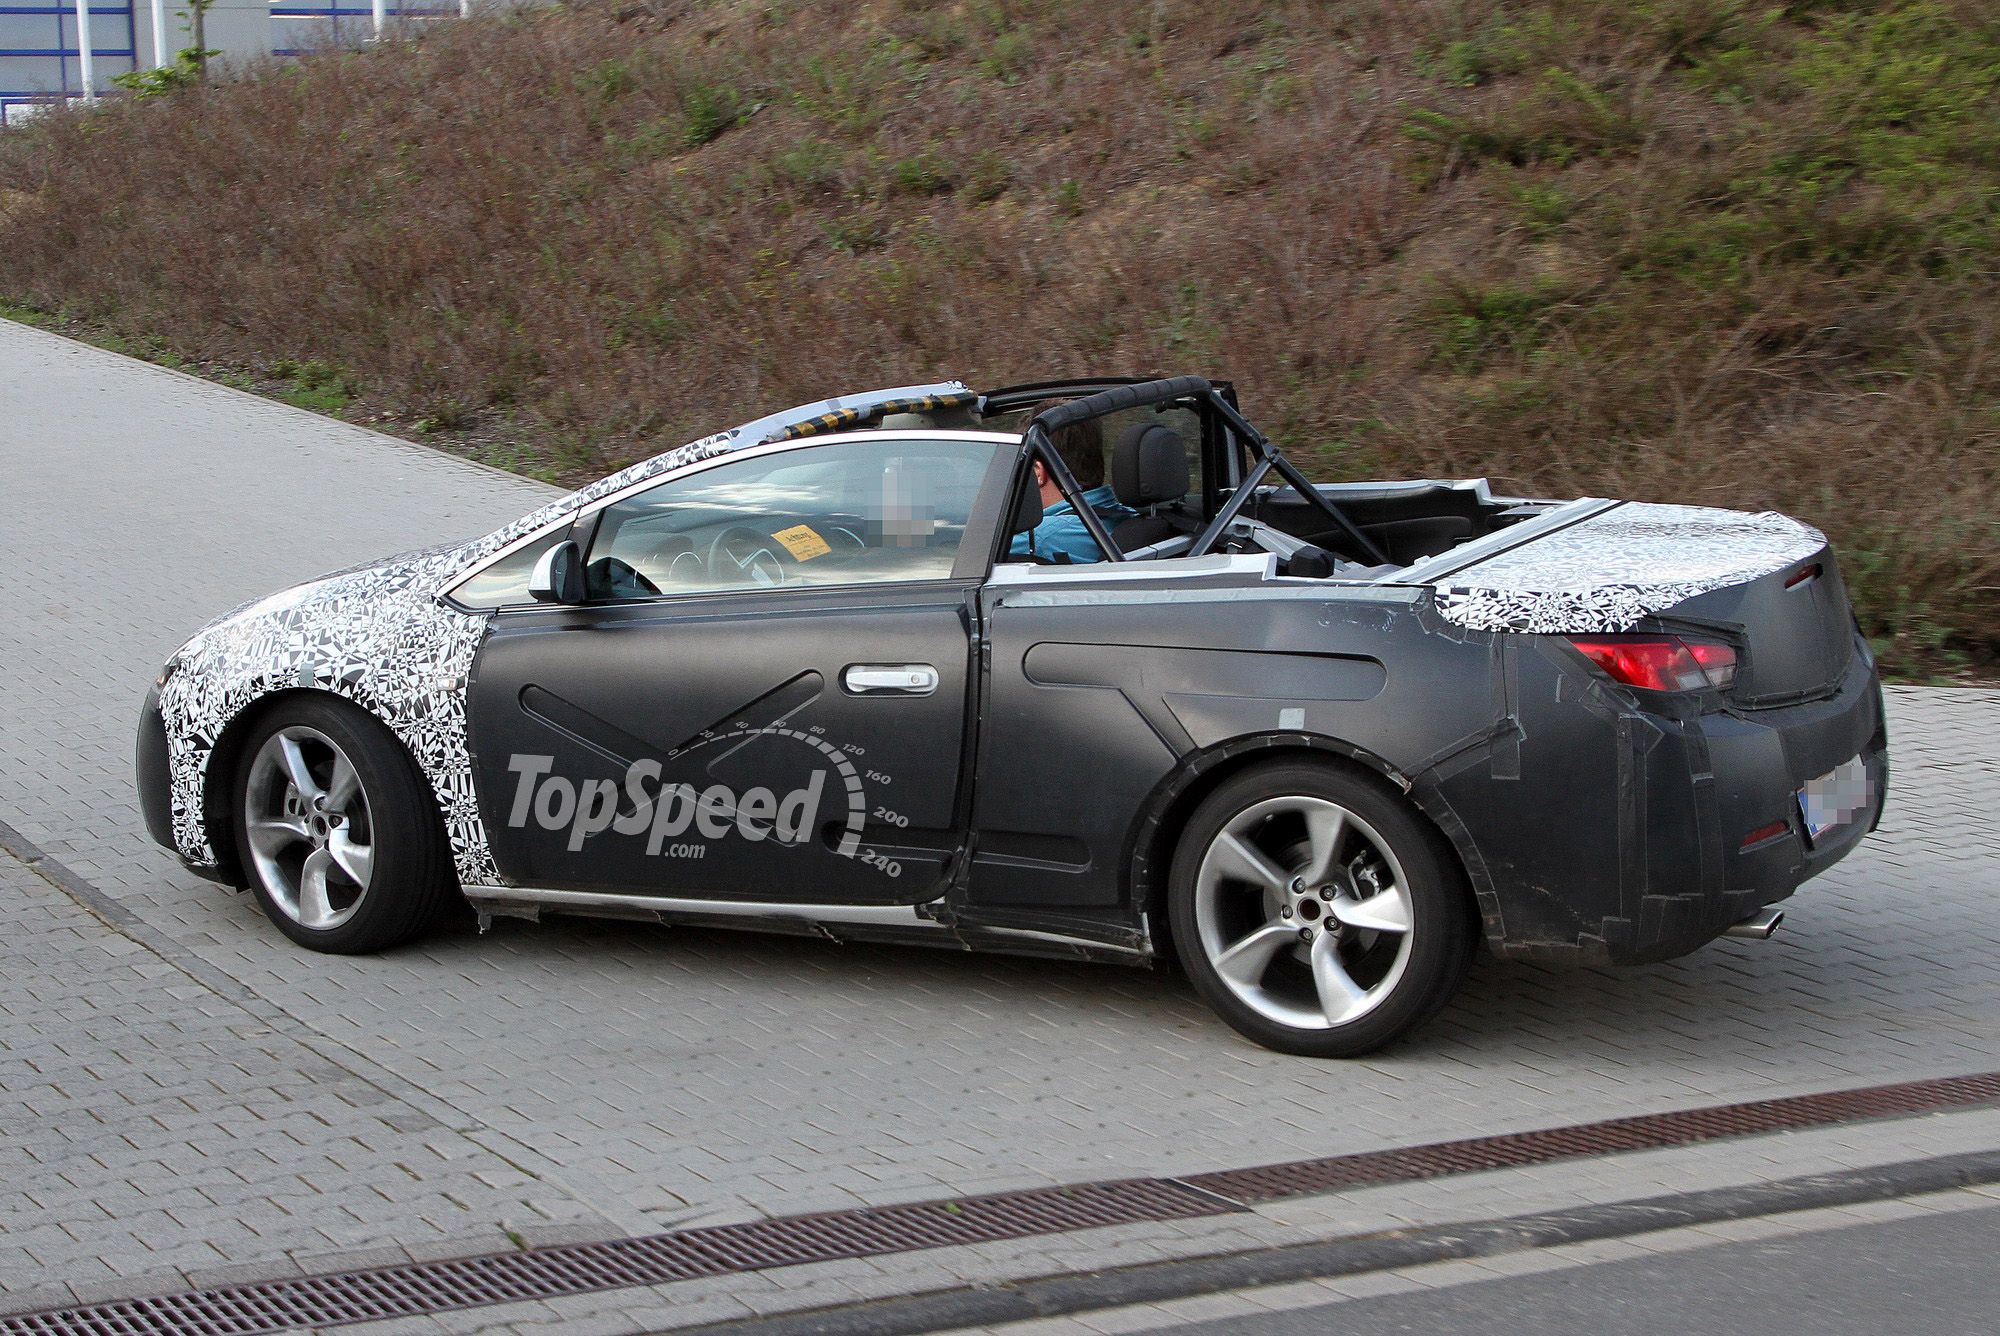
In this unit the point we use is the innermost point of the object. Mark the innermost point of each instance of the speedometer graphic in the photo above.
(838, 758)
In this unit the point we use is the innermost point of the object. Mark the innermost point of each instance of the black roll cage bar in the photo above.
(1269, 460)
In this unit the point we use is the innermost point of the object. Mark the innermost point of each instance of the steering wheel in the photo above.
(842, 539)
(740, 548)
(677, 561)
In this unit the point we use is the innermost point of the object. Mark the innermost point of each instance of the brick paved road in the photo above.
(646, 1076)
(154, 1124)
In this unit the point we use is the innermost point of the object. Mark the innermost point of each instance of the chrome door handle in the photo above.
(889, 679)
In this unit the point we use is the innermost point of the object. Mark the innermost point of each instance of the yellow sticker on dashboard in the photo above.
(802, 542)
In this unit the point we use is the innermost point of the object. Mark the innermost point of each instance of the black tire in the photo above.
(410, 879)
(1420, 967)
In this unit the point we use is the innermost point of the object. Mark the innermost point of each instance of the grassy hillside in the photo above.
(1717, 251)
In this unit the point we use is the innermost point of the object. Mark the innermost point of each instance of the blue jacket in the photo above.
(1061, 529)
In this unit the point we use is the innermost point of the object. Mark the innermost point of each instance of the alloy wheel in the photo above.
(1304, 912)
(309, 828)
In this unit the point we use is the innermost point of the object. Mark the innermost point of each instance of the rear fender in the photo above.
(1149, 848)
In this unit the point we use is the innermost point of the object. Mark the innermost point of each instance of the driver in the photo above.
(1061, 534)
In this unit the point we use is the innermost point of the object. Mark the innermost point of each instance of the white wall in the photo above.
(239, 29)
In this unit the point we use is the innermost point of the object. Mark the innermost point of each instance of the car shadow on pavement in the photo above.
(1807, 996)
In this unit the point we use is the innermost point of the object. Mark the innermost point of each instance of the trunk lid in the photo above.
(1595, 566)
(1796, 626)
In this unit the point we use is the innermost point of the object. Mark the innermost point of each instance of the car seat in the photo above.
(1149, 468)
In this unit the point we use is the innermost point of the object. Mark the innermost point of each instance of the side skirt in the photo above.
(906, 924)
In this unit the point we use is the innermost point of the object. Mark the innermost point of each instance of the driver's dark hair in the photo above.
(1081, 445)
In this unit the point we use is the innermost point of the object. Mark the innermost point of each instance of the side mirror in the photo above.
(558, 576)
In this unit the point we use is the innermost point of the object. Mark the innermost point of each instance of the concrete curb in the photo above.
(1156, 1282)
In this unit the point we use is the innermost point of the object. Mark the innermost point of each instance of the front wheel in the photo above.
(336, 828)
(1316, 912)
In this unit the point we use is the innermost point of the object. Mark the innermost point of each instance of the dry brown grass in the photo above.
(1676, 250)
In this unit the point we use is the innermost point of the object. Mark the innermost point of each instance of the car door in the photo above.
(765, 696)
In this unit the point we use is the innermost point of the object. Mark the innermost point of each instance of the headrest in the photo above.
(1150, 466)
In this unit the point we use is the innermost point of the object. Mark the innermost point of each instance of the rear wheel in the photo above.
(337, 830)
(1316, 912)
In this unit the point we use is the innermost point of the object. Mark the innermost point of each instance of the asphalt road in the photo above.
(1932, 1276)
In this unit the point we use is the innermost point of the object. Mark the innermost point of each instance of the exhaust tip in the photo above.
(1758, 926)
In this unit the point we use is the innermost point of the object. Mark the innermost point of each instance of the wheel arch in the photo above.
(218, 798)
(1150, 846)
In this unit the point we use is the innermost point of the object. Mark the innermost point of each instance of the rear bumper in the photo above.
(1635, 835)
(1760, 761)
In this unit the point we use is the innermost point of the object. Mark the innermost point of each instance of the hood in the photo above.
(402, 580)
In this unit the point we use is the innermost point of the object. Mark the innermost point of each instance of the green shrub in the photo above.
(185, 71)
(1006, 56)
(709, 110)
(856, 233)
(1476, 321)
(853, 92)
(926, 173)
(608, 80)
(988, 176)
(810, 162)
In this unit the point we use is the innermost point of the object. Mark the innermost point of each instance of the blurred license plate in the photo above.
(1835, 798)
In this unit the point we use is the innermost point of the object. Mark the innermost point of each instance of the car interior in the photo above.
(1155, 468)
(880, 512)
(902, 518)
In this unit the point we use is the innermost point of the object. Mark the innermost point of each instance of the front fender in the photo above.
(373, 637)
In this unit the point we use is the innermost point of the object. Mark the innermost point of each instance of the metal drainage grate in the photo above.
(544, 1273)
(1646, 1132)
(420, 1288)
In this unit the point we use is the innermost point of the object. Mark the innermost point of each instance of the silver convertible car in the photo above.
(1084, 669)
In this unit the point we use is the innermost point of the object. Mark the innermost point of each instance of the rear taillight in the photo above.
(1661, 663)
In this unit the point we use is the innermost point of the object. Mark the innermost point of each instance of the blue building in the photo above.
(41, 56)
(40, 53)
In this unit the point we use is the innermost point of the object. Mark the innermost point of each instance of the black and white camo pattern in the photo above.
(382, 636)
(1609, 571)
